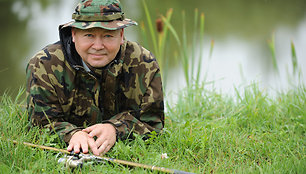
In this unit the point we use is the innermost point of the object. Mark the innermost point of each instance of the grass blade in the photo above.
(271, 44)
(151, 28)
(212, 44)
(174, 33)
(202, 22)
(293, 58)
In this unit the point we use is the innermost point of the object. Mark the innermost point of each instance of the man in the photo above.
(93, 87)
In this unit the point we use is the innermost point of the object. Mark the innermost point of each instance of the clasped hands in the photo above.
(99, 138)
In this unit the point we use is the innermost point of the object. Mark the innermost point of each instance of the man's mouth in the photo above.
(97, 55)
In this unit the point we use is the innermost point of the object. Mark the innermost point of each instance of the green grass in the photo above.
(205, 132)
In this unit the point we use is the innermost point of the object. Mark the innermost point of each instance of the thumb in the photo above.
(89, 129)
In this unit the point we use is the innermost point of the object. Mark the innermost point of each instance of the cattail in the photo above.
(159, 25)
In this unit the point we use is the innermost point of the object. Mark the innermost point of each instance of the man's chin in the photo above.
(97, 65)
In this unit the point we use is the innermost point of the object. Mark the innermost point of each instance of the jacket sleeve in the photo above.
(149, 117)
(43, 104)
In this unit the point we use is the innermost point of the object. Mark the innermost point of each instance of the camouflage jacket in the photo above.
(63, 96)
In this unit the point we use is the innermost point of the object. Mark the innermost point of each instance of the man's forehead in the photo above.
(97, 29)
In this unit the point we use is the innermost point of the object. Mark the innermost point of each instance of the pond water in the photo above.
(240, 30)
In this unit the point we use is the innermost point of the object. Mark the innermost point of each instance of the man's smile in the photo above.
(97, 55)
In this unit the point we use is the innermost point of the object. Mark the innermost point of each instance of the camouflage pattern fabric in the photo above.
(64, 97)
(105, 14)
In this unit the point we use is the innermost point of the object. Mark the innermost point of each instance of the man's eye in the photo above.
(88, 35)
(108, 35)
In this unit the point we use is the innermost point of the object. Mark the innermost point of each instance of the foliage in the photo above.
(205, 131)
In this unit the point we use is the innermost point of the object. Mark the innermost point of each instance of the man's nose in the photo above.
(98, 43)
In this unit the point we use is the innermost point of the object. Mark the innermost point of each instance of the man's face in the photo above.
(96, 46)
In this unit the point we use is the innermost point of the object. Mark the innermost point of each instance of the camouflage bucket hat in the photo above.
(105, 14)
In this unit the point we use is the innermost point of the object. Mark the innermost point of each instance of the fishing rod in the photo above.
(75, 160)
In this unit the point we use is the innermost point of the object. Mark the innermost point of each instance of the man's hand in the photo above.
(80, 141)
(106, 137)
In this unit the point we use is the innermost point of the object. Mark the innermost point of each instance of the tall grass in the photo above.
(158, 35)
(188, 56)
(294, 77)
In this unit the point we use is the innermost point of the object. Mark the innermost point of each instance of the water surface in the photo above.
(240, 30)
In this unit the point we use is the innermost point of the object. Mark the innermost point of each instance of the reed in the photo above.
(158, 36)
(191, 50)
(271, 44)
(294, 59)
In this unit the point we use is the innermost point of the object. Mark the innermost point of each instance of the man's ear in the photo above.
(122, 36)
(73, 34)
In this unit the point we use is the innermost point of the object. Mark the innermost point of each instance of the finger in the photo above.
(103, 147)
(70, 147)
(89, 129)
(95, 132)
(76, 148)
(92, 131)
(100, 140)
(84, 147)
(93, 146)
(107, 149)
